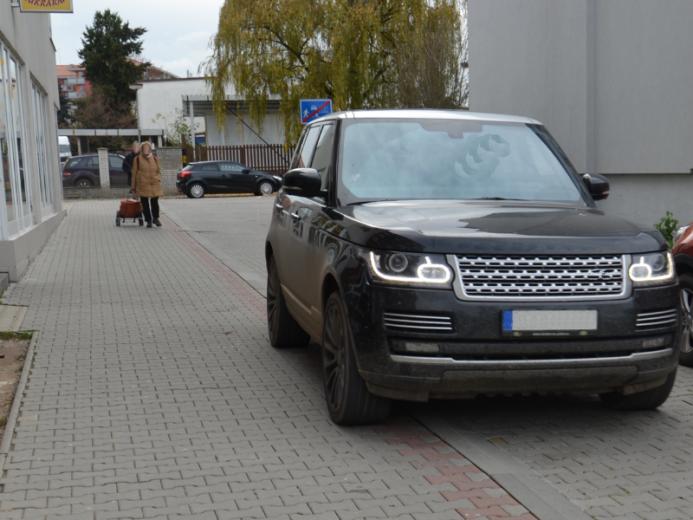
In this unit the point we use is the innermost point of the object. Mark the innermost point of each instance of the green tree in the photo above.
(65, 111)
(359, 53)
(108, 49)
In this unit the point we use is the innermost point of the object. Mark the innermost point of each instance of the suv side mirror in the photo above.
(304, 182)
(597, 185)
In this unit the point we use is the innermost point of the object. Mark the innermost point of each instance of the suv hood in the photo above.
(489, 227)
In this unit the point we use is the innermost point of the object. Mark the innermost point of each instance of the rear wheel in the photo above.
(686, 284)
(118, 219)
(265, 188)
(348, 400)
(196, 190)
(647, 400)
(284, 332)
(84, 182)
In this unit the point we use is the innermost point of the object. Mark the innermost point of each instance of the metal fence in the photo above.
(271, 158)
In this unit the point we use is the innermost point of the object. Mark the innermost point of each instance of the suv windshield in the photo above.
(449, 159)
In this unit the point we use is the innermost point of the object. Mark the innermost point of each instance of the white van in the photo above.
(64, 150)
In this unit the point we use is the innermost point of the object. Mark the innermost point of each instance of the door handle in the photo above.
(295, 216)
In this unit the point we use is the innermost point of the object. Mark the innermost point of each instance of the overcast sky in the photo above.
(178, 31)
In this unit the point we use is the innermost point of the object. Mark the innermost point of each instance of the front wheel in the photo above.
(196, 190)
(647, 400)
(348, 400)
(686, 284)
(283, 330)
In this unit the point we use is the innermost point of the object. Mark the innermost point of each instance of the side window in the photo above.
(322, 159)
(115, 163)
(93, 162)
(208, 167)
(231, 167)
(73, 163)
(304, 157)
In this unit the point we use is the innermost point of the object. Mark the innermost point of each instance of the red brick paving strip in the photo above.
(448, 466)
(426, 451)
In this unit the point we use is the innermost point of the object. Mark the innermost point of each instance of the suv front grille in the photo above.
(541, 277)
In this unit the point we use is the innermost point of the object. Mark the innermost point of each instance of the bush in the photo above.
(667, 226)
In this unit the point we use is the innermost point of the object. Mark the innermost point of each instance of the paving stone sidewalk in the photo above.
(153, 393)
(612, 465)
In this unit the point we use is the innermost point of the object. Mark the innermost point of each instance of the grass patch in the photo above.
(20, 335)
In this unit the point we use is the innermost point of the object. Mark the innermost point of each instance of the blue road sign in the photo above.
(314, 108)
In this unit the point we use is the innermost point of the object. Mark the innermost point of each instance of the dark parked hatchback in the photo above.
(82, 171)
(438, 254)
(200, 178)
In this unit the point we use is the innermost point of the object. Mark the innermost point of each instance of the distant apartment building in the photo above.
(73, 82)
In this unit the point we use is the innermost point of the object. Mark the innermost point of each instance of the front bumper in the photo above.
(476, 357)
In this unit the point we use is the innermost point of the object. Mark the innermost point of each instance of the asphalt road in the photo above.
(566, 456)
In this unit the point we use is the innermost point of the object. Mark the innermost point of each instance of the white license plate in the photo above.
(549, 321)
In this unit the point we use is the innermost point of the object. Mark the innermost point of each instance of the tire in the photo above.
(283, 330)
(686, 284)
(84, 182)
(265, 188)
(647, 400)
(348, 400)
(118, 219)
(196, 190)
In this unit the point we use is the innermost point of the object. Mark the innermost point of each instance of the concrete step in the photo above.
(11, 317)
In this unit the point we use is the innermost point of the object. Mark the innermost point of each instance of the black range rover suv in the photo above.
(439, 254)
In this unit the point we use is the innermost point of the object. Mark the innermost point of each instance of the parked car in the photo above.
(683, 258)
(82, 171)
(445, 254)
(200, 178)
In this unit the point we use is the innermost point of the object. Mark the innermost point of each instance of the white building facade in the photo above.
(611, 79)
(31, 199)
(161, 103)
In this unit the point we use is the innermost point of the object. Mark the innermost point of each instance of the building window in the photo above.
(17, 192)
(40, 103)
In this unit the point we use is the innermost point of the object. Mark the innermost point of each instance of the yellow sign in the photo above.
(45, 6)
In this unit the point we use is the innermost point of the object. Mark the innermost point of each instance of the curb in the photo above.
(538, 496)
(17, 402)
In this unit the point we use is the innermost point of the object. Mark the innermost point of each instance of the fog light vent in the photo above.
(657, 319)
(417, 322)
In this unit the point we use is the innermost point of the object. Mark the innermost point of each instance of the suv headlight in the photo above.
(652, 269)
(409, 269)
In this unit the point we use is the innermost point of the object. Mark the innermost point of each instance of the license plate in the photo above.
(535, 322)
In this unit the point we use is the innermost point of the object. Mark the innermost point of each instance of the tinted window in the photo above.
(304, 157)
(449, 159)
(323, 153)
(231, 167)
(73, 163)
(115, 163)
(207, 167)
(91, 162)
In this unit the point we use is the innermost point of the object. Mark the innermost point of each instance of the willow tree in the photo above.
(359, 53)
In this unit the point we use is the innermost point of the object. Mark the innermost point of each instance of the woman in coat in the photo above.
(146, 182)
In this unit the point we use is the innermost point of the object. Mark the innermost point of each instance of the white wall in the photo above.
(159, 103)
(235, 133)
(611, 79)
(28, 36)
